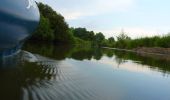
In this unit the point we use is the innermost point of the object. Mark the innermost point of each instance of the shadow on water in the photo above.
(61, 52)
(22, 73)
(27, 76)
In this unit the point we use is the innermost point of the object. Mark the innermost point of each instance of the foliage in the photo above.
(123, 41)
(155, 41)
(123, 37)
(111, 39)
(44, 32)
(97, 39)
(52, 27)
(79, 41)
(83, 34)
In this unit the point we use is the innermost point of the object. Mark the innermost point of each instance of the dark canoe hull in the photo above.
(18, 19)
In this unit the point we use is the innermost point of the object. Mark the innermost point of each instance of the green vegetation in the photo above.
(83, 34)
(53, 28)
(122, 41)
(155, 41)
(96, 39)
(43, 32)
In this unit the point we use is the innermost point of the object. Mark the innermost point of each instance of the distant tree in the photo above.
(83, 34)
(123, 36)
(80, 33)
(111, 39)
(91, 35)
(123, 40)
(99, 37)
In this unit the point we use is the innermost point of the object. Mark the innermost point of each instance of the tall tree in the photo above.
(99, 37)
(57, 23)
(111, 39)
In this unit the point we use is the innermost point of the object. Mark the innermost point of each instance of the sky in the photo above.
(137, 18)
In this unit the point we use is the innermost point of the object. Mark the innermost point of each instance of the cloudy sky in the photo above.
(136, 17)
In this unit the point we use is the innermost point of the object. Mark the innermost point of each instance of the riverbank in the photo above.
(153, 50)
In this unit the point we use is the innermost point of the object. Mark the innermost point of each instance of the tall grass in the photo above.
(155, 41)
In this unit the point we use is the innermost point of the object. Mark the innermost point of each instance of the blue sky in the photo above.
(137, 18)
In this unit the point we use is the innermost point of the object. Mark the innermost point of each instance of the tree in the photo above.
(83, 34)
(99, 38)
(123, 40)
(90, 35)
(57, 24)
(111, 39)
(43, 32)
(123, 36)
(80, 33)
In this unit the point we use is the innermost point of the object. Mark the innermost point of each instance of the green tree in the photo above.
(43, 32)
(111, 39)
(123, 36)
(57, 23)
(123, 41)
(80, 33)
(83, 34)
(99, 39)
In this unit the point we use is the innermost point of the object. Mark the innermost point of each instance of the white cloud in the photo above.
(136, 32)
(114, 5)
(74, 9)
(73, 15)
(97, 7)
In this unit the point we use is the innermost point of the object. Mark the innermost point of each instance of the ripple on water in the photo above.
(60, 81)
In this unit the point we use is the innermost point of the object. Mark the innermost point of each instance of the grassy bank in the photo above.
(155, 44)
(156, 41)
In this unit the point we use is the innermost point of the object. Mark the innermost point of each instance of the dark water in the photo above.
(47, 72)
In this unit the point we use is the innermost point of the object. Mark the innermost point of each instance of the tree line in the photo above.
(53, 28)
(122, 40)
(97, 39)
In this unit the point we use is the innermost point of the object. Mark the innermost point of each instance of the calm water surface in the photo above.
(46, 72)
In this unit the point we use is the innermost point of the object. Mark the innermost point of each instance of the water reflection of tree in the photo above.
(58, 52)
(119, 61)
(152, 61)
(61, 52)
(82, 54)
(110, 53)
(98, 53)
(17, 74)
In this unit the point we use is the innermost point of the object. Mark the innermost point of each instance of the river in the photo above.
(48, 72)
